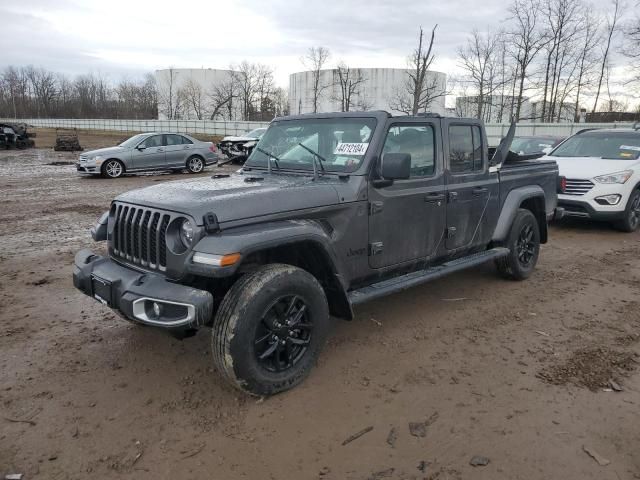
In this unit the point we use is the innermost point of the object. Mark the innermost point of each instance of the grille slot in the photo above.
(139, 235)
(578, 187)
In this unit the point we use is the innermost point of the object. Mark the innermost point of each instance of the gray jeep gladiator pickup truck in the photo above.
(330, 210)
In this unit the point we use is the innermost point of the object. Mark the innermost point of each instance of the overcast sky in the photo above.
(129, 37)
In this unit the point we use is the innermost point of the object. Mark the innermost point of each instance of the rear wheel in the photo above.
(270, 328)
(631, 220)
(195, 164)
(112, 169)
(523, 243)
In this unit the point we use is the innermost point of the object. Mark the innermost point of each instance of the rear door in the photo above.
(406, 219)
(178, 148)
(472, 189)
(149, 153)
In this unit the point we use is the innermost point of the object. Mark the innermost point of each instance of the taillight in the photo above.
(213, 148)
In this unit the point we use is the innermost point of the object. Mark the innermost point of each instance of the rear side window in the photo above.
(186, 141)
(465, 149)
(417, 141)
(176, 140)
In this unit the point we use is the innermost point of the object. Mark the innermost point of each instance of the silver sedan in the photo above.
(149, 151)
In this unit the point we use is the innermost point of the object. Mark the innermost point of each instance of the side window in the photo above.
(416, 140)
(186, 141)
(154, 141)
(174, 139)
(465, 148)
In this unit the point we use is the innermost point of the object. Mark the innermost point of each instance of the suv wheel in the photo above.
(270, 328)
(524, 247)
(631, 220)
(195, 164)
(112, 169)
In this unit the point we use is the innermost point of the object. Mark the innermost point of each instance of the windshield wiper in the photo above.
(269, 157)
(316, 156)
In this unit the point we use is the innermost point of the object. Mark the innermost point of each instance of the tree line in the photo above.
(556, 54)
(30, 92)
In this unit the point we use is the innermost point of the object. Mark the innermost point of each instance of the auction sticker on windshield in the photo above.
(351, 148)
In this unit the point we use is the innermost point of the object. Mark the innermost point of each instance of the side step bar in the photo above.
(403, 282)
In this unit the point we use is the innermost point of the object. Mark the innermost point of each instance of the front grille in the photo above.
(139, 235)
(577, 187)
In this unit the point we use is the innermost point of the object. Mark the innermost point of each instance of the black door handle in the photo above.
(434, 197)
(479, 191)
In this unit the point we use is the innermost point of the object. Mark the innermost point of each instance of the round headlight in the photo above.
(186, 233)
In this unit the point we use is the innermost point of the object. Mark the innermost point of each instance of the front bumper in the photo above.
(584, 209)
(87, 169)
(133, 293)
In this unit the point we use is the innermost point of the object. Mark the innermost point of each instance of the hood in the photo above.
(238, 139)
(104, 151)
(233, 198)
(589, 167)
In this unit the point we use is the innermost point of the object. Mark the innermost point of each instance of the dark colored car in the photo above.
(329, 211)
(534, 145)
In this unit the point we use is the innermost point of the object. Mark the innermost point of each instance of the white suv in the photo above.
(602, 168)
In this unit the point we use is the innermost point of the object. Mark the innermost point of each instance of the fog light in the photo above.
(157, 309)
(609, 199)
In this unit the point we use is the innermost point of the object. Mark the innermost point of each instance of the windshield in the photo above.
(257, 133)
(341, 143)
(530, 145)
(133, 141)
(607, 145)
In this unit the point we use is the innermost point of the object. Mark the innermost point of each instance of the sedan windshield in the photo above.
(339, 143)
(607, 145)
(133, 141)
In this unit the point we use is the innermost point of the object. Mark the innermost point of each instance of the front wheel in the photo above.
(195, 164)
(270, 328)
(631, 220)
(112, 169)
(523, 243)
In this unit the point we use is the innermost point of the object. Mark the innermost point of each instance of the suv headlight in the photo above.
(617, 177)
(187, 233)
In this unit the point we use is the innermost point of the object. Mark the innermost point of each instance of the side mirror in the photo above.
(395, 166)
(140, 147)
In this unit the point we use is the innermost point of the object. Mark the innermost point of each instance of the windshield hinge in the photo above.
(375, 207)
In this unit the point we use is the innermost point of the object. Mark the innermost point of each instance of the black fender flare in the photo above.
(512, 203)
(255, 238)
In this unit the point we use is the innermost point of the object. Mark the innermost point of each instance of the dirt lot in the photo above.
(472, 365)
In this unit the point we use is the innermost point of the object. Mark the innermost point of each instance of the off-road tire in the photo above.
(240, 317)
(112, 168)
(512, 266)
(195, 164)
(631, 221)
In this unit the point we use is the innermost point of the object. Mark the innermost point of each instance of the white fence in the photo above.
(207, 127)
(495, 131)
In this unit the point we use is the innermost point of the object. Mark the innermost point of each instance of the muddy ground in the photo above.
(524, 374)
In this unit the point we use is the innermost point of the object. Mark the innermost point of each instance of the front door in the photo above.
(149, 153)
(406, 219)
(472, 190)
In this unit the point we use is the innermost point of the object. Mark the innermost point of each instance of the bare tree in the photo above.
(586, 58)
(419, 90)
(222, 97)
(526, 39)
(194, 97)
(631, 48)
(612, 25)
(168, 92)
(315, 59)
(349, 81)
(481, 61)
